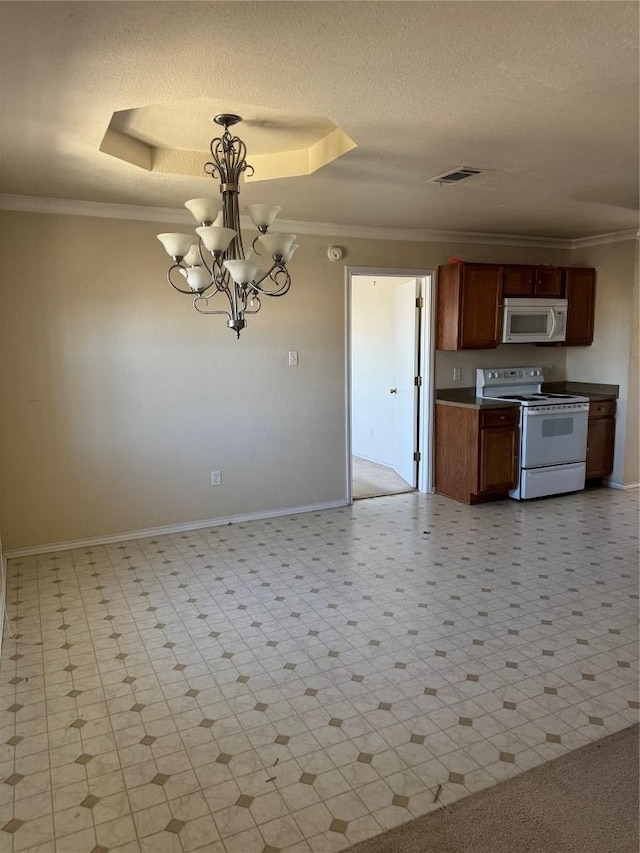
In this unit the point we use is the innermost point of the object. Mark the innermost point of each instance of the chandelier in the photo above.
(214, 262)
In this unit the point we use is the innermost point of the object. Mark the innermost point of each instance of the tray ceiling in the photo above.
(543, 97)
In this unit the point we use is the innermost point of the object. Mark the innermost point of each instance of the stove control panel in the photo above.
(507, 375)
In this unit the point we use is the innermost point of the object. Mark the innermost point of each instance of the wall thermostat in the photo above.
(334, 253)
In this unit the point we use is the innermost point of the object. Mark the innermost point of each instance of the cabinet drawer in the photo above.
(602, 408)
(499, 417)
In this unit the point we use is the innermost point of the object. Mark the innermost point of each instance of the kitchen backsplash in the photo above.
(552, 359)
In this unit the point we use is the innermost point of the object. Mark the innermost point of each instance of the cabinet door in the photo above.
(517, 281)
(498, 458)
(549, 282)
(600, 443)
(479, 306)
(581, 295)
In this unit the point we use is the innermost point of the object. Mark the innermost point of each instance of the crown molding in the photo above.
(611, 237)
(71, 207)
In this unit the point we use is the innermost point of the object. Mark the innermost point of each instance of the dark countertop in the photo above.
(467, 396)
(592, 390)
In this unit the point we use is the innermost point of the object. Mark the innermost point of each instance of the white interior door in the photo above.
(405, 391)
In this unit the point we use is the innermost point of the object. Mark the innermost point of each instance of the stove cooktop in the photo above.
(522, 385)
(540, 398)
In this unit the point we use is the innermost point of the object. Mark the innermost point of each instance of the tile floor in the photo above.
(302, 683)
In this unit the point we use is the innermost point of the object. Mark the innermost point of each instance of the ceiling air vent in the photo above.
(459, 174)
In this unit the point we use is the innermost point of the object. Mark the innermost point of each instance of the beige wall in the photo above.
(632, 434)
(118, 399)
(613, 356)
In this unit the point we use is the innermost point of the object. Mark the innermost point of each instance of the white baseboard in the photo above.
(169, 528)
(375, 461)
(3, 594)
(612, 484)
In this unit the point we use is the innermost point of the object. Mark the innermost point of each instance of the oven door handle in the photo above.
(579, 410)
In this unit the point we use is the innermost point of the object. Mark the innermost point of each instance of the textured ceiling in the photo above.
(542, 94)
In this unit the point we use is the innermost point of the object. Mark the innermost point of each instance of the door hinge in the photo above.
(416, 456)
(419, 302)
(418, 381)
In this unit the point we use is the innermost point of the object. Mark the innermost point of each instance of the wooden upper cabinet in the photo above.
(547, 282)
(581, 298)
(517, 281)
(468, 296)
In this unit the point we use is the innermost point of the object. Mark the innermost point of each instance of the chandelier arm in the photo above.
(175, 286)
(257, 306)
(221, 277)
(277, 270)
(268, 274)
(204, 260)
(205, 299)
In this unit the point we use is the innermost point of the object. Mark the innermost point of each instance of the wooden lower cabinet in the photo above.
(601, 438)
(476, 452)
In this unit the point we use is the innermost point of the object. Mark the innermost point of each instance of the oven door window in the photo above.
(553, 427)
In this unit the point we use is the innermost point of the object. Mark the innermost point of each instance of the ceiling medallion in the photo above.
(214, 262)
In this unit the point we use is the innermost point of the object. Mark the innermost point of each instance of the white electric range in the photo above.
(553, 430)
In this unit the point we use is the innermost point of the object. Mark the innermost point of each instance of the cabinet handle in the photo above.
(393, 390)
(601, 408)
(503, 417)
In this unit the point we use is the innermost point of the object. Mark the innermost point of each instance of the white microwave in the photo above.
(533, 321)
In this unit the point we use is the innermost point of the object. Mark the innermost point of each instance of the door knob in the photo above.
(393, 390)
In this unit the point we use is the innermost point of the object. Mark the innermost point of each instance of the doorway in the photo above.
(390, 369)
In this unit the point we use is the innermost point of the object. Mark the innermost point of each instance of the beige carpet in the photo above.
(583, 802)
(371, 480)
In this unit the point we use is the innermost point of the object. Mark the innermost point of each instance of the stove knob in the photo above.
(532, 373)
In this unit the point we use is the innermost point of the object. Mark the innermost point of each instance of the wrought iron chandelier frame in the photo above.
(210, 269)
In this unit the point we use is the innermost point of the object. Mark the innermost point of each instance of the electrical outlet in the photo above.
(293, 358)
(457, 374)
(216, 478)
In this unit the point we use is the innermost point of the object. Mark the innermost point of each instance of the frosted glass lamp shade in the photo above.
(177, 245)
(262, 215)
(277, 244)
(203, 209)
(215, 239)
(192, 258)
(198, 279)
(292, 250)
(242, 272)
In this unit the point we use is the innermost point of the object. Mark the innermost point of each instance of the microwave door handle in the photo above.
(553, 323)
